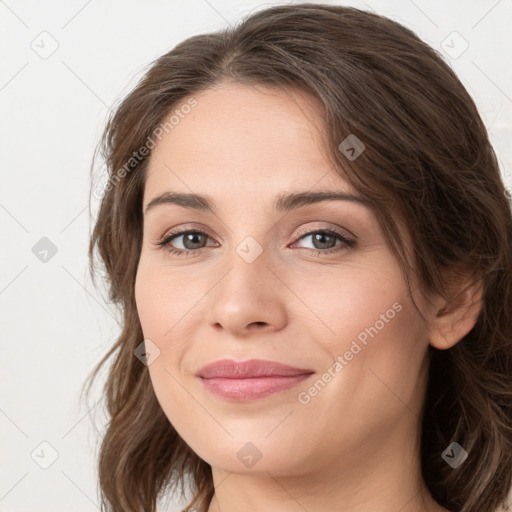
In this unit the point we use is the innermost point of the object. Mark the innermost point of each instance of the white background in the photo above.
(55, 325)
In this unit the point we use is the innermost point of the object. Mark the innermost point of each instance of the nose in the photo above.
(249, 297)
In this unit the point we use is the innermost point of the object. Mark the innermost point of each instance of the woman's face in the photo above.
(311, 284)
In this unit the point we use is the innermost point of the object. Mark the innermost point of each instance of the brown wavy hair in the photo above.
(428, 164)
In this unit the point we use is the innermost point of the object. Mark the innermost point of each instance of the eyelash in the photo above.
(347, 242)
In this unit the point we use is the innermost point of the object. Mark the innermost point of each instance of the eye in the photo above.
(193, 241)
(324, 240)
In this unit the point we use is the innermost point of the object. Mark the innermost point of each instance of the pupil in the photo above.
(320, 237)
(192, 237)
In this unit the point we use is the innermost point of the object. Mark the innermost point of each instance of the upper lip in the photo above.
(231, 369)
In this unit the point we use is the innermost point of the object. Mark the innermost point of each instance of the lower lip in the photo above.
(251, 388)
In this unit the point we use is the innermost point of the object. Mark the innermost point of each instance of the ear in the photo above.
(453, 317)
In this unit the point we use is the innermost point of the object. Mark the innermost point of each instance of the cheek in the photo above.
(168, 307)
(379, 343)
(369, 325)
(344, 304)
(160, 305)
(165, 302)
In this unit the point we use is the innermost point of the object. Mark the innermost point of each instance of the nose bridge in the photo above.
(248, 293)
(249, 238)
(253, 255)
(250, 266)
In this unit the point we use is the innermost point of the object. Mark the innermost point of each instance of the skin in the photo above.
(355, 445)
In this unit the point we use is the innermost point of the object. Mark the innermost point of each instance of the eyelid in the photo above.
(185, 228)
(305, 230)
(346, 243)
(344, 233)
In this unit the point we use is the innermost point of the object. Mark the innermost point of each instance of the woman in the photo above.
(308, 235)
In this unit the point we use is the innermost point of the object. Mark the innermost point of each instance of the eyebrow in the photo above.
(283, 202)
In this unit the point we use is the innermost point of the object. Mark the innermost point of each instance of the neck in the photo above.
(382, 474)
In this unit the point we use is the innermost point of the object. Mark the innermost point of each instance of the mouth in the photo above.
(250, 380)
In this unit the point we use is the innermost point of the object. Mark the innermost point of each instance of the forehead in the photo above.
(253, 140)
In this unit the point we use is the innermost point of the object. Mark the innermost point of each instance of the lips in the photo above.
(241, 381)
(230, 369)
